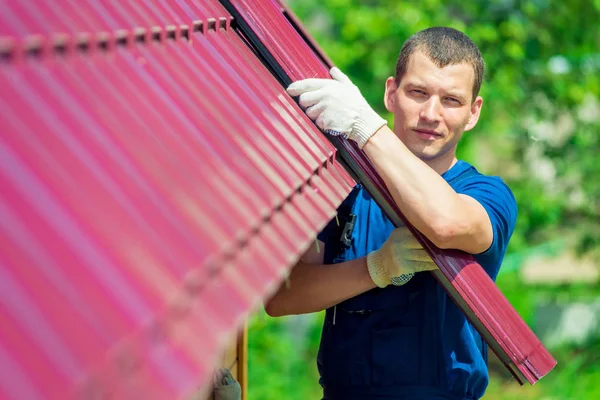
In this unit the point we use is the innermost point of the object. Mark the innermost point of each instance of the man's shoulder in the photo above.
(464, 176)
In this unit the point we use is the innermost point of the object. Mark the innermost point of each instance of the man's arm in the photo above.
(316, 287)
(448, 219)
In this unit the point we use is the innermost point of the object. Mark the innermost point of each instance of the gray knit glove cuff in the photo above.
(367, 123)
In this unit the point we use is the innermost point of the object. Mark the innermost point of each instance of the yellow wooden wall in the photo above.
(235, 358)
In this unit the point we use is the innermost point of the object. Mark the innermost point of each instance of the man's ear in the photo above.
(390, 94)
(475, 112)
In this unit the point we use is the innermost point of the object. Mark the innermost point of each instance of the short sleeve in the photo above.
(499, 202)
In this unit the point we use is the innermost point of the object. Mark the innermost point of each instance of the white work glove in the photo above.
(400, 257)
(337, 107)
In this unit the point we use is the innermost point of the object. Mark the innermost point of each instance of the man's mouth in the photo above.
(428, 134)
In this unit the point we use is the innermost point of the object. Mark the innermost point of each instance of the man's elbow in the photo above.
(461, 236)
(444, 236)
(272, 309)
(275, 307)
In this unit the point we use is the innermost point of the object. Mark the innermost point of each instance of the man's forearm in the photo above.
(316, 287)
(425, 198)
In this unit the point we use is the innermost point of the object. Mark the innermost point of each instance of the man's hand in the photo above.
(337, 107)
(400, 257)
(226, 387)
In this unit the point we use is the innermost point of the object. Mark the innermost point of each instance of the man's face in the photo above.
(432, 106)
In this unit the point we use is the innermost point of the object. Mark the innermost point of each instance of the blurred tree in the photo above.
(279, 367)
(540, 127)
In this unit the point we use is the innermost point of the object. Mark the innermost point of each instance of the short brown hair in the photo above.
(444, 46)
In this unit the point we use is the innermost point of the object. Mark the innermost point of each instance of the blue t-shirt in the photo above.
(395, 342)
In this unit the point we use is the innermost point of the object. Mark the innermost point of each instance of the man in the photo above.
(391, 332)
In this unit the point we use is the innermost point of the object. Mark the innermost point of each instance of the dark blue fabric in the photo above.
(384, 342)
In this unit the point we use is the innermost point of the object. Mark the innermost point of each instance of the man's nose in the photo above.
(431, 110)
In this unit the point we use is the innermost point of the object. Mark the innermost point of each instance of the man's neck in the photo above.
(442, 164)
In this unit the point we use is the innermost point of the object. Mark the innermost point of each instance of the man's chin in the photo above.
(424, 152)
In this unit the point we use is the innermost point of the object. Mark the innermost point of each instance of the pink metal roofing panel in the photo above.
(157, 184)
(465, 281)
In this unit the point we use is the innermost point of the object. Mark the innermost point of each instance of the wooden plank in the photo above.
(235, 358)
(230, 355)
(242, 361)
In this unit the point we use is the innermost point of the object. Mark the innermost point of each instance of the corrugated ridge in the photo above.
(157, 183)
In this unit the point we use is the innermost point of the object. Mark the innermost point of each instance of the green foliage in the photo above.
(575, 377)
(278, 368)
(578, 370)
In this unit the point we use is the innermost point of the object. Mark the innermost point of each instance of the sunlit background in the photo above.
(539, 131)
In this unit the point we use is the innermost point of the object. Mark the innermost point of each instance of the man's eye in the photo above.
(417, 91)
(452, 100)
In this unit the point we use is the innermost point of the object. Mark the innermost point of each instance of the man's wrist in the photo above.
(366, 126)
(376, 269)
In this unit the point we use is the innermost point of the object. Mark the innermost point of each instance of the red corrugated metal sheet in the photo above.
(156, 181)
(464, 279)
